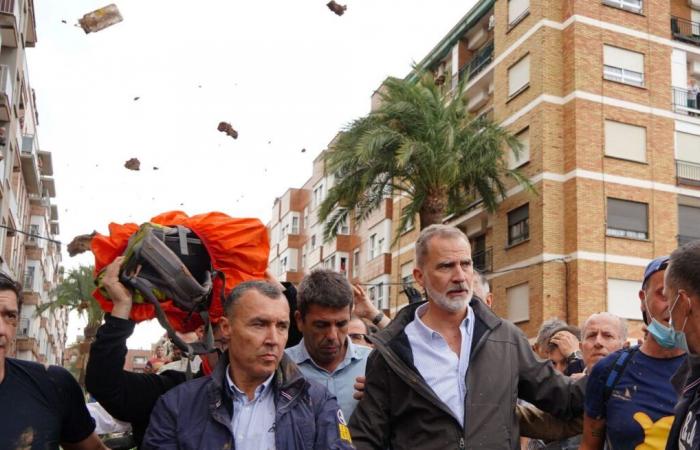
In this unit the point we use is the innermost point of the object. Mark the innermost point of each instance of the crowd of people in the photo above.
(322, 368)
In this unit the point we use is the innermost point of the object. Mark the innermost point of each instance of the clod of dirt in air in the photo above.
(269, 142)
(337, 8)
(303, 150)
(226, 127)
(136, 98)
(80, 244)
(133, 164)
(155, 168)
(199, 86)
(100, 19)
(182, 204)
(63, 21)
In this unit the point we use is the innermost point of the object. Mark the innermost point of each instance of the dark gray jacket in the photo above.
(400, 411)
(197, 414)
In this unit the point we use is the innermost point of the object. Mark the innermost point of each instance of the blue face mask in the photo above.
(667, 336)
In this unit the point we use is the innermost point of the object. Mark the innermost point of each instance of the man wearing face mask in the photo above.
(682, 288)
(629, 398)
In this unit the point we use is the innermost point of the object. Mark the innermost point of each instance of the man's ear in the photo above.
(225, 327)
(418, 275)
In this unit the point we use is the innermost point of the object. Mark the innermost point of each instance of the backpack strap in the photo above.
(616, 371)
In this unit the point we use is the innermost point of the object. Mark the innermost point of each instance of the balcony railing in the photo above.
(483, 260)
(685, 30)
(481, 59)
(685, 101)
(688, 172)
(682, 240)
(7, 6)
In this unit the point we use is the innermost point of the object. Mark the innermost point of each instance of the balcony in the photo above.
(30, 165)
(685, 30)
(478, 63)
(483, 260)
(9, 14)
(45, 163)
(688, 173)
(685, 102)
(26, 344)
(6, 91)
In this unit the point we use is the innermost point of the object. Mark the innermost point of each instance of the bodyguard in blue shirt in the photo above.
(326, 354)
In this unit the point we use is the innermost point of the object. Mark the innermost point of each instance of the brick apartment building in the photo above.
(28, 218)
(601, 94)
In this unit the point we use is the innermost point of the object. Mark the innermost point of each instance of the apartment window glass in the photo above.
(519, 76)
(355, 263)
(524, 155)
(517, 9)
(625, 141)
(295, 225)
(519, 224)
(688, 224)
(29, 278)
(629, 5)
(623, 298)
(623, 65)
(628, 219)
(518, 303)
(343, 264)
(688, 147)
(343, 226)
(373, 246)
(313, 242)
(380, 296)
(407, 274)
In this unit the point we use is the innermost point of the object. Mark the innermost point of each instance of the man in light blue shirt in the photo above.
(253, 421)
(326, 354)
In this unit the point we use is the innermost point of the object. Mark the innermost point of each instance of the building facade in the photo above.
(603, 95)
(28, 219)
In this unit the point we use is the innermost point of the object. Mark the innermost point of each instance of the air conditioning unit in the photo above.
(492, 21)
(477, 39)
(695, 69)
(477, 100)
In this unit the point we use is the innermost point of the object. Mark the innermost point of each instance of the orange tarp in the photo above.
(238, 247)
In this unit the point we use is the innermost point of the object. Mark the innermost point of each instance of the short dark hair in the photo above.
(683, 267)
(266, 288)
(8, 284)
(325, 288)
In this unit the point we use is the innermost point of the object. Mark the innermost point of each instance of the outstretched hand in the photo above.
(118, 293)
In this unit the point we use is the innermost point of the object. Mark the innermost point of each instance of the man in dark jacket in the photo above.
(125, 395)
(682, 291)
(447, 373)
(256, 398)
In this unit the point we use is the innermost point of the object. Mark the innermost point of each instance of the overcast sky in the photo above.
(287, 75)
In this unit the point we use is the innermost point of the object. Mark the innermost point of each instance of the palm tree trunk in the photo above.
(433, 210)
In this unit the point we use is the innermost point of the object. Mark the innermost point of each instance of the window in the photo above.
(343, 227)
(517, 11)
(380, 296)
(318, 194)
(355, 263)
(373, 246)
(139, 360)
(519, 225)
(283, 265)
(688, 224)
(518, 303)
(407, 274)
(519, 76)
(627, 219)
(295, 225)
(29, 278)
(313, 242)
(409, 225)
(622, 65)
(625, 141)
(524, 155)
(23, 327)
(33, 230)
(629, 5)
(623, 298)
(687, 146)
(343, 265)
(330, 263)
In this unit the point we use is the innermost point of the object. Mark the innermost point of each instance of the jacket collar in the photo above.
(287, 382)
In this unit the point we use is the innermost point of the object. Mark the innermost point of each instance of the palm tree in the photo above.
(423, 145)
(75, 293)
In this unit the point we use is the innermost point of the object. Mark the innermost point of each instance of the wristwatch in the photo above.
(378, 318)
